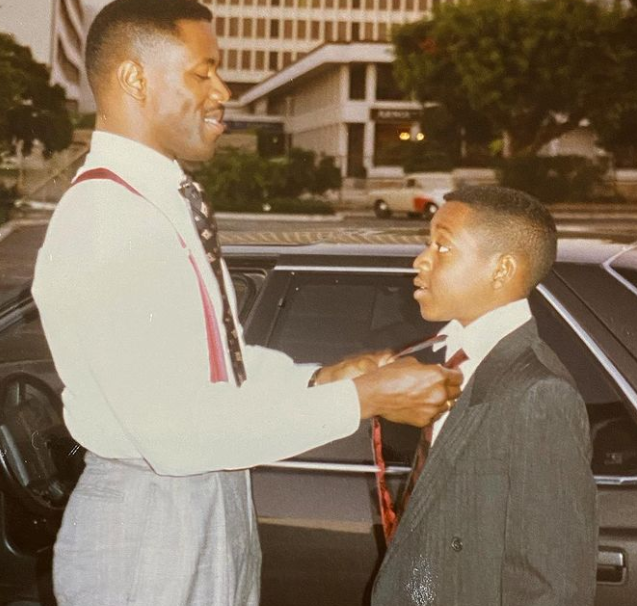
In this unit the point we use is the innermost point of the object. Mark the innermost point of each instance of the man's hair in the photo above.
(124, 23)
(513, 221)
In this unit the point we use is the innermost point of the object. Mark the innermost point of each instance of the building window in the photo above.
(245, 59)
(274, 28)
(356, 4)
(232, 59)
(247, 28)
(382, 32)
(273, 61)
(287, 59)
(369, 4)
(388, 143)
(386, 87)
(357, 81)
(247, 2)
(410, 5)
(316, 3)
(288, 29)
(260, 28)
(329, 3)
(275, 2)
(233, 23)
(342, 31)
(259, 60)
(316, 30)
(382, 5)
(356, 32)
(369, 31)
(329, 31)
(289, 3)
(395, 5)
(342, 4)
(221, 1)
(220, 26)
(234, 2)
(301, 30)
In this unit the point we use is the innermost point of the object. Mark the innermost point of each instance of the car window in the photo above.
(327, 316)
(246, 284)
(626, 266)
(613, 427)
(22, 337)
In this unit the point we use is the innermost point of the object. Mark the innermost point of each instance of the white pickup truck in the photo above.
(421, 194)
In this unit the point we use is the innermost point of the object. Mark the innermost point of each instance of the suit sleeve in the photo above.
(551, 525)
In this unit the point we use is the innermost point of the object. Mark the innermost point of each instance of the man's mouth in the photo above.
(214, 119)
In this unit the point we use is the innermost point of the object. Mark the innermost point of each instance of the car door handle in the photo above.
(611, 566)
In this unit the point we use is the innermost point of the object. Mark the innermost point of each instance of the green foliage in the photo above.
(243, 181)
(532, 70)
(553, 178)
(30, 108)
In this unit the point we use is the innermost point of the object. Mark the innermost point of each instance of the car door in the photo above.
(318, 512)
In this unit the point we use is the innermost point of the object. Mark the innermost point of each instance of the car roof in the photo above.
(396, 242)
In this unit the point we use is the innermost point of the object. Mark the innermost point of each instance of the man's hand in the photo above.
(353, 367)
(407, 391)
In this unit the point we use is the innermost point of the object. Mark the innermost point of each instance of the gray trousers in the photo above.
(130, 536)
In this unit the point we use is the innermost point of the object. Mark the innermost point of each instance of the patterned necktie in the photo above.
(207, 229)
(424, 444)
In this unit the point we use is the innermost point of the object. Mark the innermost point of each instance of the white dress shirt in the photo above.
(123, 316)
(478, 339)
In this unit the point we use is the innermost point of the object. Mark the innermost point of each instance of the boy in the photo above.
(504, 511)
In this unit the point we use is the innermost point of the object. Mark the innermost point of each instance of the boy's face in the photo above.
(455, 278)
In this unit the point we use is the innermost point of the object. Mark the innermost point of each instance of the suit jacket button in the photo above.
(456, 544)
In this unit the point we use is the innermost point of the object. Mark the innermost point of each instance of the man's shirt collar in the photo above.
(481, 336)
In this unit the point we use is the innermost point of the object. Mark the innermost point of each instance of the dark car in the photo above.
(319, 521)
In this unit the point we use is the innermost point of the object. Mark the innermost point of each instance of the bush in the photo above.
(553, 178)
(243, 181)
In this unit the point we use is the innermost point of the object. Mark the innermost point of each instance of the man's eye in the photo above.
(442, 248)
(203, 76)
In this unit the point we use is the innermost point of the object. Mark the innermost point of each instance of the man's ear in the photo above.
(506, 269)
(130, 76)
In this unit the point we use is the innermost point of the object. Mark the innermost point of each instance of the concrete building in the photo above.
(340, 100)
(261, 37)
(54, 30)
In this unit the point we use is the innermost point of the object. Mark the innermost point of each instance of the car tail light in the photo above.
(419, 203)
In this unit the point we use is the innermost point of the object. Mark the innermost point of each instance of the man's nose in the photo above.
(220, 92)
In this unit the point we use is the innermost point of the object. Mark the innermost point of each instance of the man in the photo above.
(139, 314)
(504, 511)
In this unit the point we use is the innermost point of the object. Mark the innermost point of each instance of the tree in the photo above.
(30, 107)
(533, 69)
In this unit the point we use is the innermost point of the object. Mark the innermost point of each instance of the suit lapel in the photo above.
(461, 425)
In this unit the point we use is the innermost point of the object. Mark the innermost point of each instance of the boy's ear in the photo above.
(505, 270)
(130, 76)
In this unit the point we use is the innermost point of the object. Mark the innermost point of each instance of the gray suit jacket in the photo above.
(504, 512)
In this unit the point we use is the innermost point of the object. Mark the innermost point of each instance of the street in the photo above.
(21, 237)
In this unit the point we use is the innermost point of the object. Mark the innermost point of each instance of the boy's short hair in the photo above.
(513, 221)
(124, 23)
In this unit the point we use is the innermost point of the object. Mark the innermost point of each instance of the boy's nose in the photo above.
(422, 262)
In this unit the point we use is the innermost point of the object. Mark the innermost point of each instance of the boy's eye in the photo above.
(205, 76)
(442, 248)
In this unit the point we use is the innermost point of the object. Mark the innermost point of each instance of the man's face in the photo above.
(455, 275)
(185, 95)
